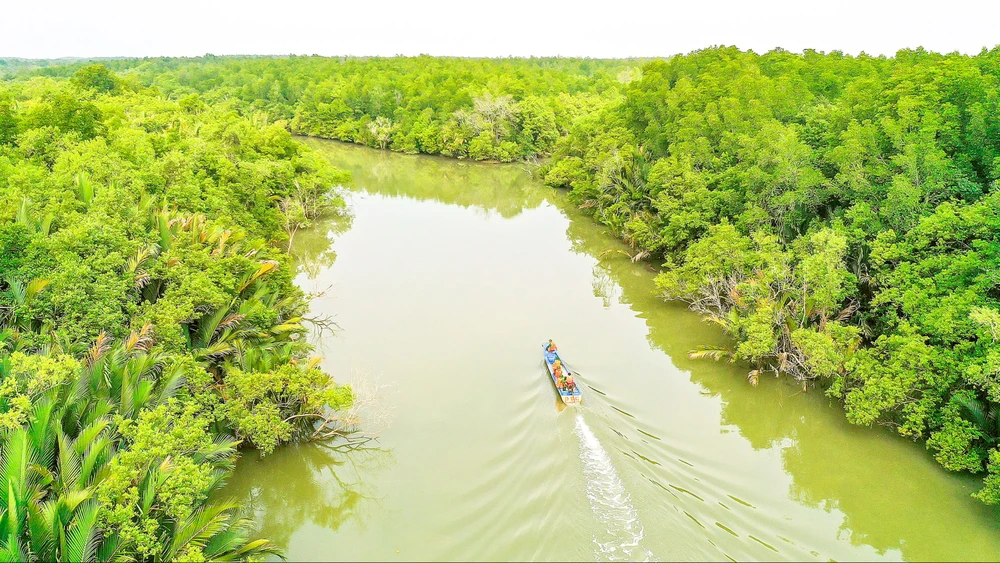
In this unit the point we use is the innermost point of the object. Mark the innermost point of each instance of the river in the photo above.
(444, 284)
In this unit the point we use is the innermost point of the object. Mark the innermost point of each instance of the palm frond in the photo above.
(266, 267)
(973, 409)
(141, 340)
(100, 347)
(83, 537)
(712, 353)
(197, 529)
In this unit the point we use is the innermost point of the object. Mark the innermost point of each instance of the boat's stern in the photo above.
(571, 399)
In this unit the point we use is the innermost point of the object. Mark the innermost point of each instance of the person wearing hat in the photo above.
(550, 352)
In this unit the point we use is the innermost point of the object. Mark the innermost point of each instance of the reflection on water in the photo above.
(333, 483)
(446, 279)
(506, 189)
(313, 250)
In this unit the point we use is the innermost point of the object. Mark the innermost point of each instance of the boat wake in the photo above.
(610, 502)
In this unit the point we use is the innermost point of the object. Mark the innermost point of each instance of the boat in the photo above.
(569, 398)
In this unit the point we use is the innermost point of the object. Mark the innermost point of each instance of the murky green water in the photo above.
(445, 283)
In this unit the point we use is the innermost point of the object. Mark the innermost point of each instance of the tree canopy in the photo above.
(484, 109)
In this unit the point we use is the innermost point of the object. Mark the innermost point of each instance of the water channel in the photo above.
(444, 283)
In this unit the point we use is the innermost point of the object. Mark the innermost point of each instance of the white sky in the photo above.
(609, 28)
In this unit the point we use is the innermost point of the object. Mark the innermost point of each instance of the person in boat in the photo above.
(550, 352)
(557, 371)
(569, 384)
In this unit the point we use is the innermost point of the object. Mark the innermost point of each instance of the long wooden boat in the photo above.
(570, 398)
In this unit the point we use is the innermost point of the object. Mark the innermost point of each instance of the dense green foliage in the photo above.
(485, 109)
(838, 216)
(148, 323)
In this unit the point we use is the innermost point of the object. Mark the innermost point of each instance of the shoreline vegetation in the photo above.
(149, 326)
(837, 216)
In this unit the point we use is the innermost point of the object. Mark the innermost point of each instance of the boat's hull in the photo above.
(568, 398)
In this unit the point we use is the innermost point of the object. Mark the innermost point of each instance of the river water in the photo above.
(444, 284)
